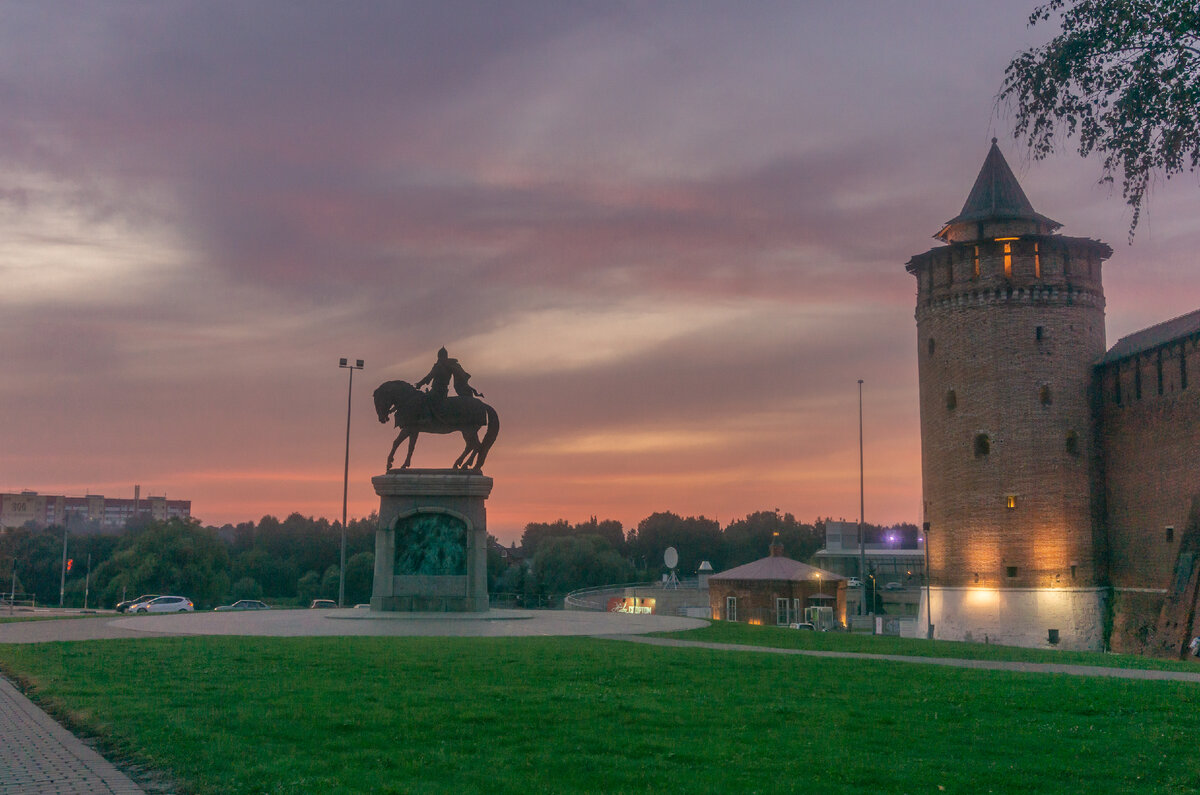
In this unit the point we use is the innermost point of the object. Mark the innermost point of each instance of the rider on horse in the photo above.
(444, 371)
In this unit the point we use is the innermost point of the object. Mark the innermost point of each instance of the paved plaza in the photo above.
(38, 756)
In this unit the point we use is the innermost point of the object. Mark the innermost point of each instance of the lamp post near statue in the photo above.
(357, 365)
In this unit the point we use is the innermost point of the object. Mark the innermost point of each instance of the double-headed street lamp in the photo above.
(357, 365)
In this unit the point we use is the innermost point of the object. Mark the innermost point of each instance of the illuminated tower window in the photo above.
(1008, 260)
(1010, 502)
(1037, 261)
(976, 262)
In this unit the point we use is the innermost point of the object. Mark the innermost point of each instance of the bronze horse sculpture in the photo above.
(415, 412)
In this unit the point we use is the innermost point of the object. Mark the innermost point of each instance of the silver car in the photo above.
(244, 604)
(166, 604)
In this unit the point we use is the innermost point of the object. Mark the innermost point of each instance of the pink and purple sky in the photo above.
(665, 238)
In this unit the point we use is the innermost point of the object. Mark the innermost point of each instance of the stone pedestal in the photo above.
(431, 545)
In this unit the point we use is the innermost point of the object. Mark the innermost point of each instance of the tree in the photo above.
(571, 562)
(172, 557)
(247, 588)
(360, 571)
(308, 587)
(1124, 77)
(750, 538)
(695, 538)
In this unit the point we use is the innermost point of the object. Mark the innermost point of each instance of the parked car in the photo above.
(166, 604)
(322, 604)
(244, 604)
(893, 586)
(804, 625)
(853, 582)
(123, 607)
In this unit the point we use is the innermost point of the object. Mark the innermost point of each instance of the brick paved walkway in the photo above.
(39, 757)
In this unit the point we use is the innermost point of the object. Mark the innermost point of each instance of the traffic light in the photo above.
(69, 562)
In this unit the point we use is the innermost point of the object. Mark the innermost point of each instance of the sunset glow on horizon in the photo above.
(665, 239)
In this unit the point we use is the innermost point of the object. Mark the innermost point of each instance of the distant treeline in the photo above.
(288, 562)
(560, 557)
(296, 560)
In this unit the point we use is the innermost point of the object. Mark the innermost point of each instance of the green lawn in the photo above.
(532, 715)
(784, 638)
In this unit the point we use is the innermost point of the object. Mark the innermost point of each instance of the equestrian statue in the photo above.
(434, 411)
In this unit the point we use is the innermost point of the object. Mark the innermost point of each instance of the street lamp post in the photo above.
(862, 555)
(928, 595)
(357, 365)
(62, 582)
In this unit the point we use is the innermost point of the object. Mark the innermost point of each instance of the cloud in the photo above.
(666, 239)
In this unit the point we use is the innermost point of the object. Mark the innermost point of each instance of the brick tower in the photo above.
(1010, 321)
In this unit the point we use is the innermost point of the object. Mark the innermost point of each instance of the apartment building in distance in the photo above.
(90, 512)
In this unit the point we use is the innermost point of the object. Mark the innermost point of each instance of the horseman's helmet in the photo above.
(442, 352)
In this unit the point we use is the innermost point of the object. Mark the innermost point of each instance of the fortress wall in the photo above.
(1151, 448)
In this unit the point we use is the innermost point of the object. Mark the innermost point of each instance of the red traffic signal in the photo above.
(69, 562)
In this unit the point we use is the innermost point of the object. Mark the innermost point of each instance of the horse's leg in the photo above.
(468, 449)
(471, 440)
(489, 438)
(412, 442)
(395, 444)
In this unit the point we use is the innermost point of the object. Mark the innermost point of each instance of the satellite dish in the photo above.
(671, 557)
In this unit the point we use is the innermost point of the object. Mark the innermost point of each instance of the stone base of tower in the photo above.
(1051, 618)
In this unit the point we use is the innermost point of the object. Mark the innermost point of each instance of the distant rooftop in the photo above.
(1153, 337)
(776, 567)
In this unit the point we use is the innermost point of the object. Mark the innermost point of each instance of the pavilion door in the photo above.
(731, 608)
(782, 617)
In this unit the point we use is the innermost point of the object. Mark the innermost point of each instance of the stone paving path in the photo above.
(40, 757)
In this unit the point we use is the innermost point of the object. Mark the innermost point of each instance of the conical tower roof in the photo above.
(995, 198)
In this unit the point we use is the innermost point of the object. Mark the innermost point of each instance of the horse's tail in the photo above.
(489, 438)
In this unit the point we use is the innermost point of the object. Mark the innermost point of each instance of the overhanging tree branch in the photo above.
(1122, 78)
